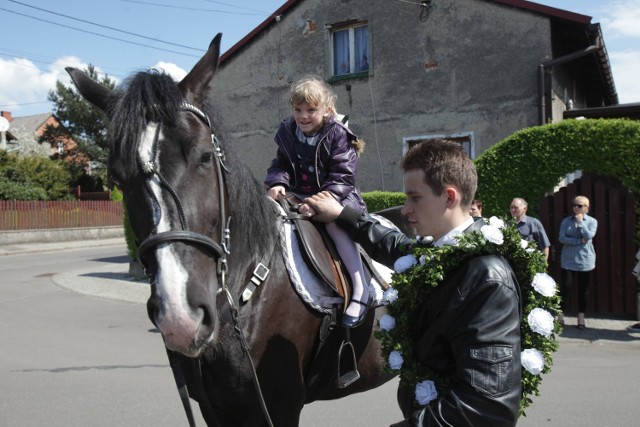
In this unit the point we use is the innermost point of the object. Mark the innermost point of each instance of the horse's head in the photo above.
(166, 159)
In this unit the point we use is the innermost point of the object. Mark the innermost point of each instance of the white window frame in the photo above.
(352, 47)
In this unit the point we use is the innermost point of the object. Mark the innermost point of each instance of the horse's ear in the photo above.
(92, 91)
(195, 85)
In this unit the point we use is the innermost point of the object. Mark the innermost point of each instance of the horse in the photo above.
(207, 233)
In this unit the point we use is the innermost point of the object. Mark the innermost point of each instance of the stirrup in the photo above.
(349, 377)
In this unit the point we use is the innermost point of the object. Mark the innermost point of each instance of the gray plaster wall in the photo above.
(469, 68)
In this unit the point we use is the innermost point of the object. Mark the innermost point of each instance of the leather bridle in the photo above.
(218, 251)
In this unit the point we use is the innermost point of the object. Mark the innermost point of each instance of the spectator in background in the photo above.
(530, 228)
(578, 258)
(476, 208)
(636, 272)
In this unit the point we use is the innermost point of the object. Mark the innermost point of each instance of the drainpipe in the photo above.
(542, 68)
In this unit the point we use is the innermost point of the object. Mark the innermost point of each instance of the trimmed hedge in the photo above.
(379, 200)
(530, 162)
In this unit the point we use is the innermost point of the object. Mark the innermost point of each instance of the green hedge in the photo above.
(379, 200)
(530, 162)
(32, 178)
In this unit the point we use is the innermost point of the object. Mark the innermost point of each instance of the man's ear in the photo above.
(453, 196)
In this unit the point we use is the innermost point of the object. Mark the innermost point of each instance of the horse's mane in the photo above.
(154, 96)
(144, 97)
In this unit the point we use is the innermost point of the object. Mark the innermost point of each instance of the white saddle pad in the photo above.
(308, 285)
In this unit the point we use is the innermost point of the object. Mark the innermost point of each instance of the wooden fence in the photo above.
(613, 290)
(34, 215)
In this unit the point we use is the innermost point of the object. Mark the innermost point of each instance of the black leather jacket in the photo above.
(469, 330)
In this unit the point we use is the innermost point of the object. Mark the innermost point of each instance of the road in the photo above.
(69, 359)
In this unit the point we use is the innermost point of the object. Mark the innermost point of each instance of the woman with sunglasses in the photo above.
(578, 258)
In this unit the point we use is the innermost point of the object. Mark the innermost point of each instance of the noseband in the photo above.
(218, 250)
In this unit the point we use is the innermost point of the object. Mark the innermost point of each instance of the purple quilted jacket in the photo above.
(336, 161)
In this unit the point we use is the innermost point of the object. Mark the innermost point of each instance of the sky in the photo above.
(38, 38)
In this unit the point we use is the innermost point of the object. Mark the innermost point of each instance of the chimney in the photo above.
(6, 115)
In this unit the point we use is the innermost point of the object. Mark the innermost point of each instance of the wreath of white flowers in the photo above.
(426, 268)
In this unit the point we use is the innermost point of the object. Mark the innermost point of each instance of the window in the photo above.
(350, 50)
(464, 138)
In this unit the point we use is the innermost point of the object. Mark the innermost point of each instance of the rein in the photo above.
(219, 251)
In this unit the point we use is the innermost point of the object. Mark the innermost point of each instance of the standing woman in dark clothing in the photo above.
(578, 259)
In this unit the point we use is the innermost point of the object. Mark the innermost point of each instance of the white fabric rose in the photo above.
(492, 234)
(426, 392)
(532, 360)
(395, 360)
(496, 222)
(544, 284)
(540, 321)
(389, 296)
(387, 322)
(404, 263)
(524, 244)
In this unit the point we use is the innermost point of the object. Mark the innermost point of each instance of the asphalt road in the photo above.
(70, 359)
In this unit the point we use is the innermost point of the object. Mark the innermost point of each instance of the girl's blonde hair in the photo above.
(315, 92)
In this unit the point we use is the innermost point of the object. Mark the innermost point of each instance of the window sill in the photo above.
(342, 77)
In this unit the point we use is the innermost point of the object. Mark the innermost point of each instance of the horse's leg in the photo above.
(283, 338)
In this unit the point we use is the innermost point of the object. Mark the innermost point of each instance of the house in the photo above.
(24, 133)
(409, 71)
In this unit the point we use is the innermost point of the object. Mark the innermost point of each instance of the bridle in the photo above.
(218, 251)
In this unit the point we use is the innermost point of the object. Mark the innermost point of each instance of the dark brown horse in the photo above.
(207, 230)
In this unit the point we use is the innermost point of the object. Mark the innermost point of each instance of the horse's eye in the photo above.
(206, 159)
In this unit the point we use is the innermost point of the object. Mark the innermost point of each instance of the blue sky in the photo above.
(40, 37)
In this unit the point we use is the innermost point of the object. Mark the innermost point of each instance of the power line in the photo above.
(148, 3)
(105, 26)
(9, 56)
(237, 7)
(24, 103)
(99, 35)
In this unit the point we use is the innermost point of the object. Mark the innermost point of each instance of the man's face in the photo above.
(424, 210)
(517, 210)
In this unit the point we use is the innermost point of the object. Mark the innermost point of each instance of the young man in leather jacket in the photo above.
(469, 329)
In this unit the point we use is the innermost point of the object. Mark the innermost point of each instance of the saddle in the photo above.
(321, 254)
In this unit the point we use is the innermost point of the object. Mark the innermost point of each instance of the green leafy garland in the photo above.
(428, 267)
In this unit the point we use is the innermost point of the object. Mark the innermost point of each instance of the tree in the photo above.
(86, 123)
(32, 178)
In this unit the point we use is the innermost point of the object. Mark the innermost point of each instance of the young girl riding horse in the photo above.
(317, 152)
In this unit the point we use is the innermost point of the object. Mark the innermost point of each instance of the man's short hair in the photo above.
(444, 163)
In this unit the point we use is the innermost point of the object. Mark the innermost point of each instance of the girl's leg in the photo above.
(349, 253)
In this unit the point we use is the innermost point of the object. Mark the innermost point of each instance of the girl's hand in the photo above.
(277, 192)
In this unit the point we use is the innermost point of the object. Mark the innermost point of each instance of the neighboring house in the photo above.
(23, 136)
(472, 70)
